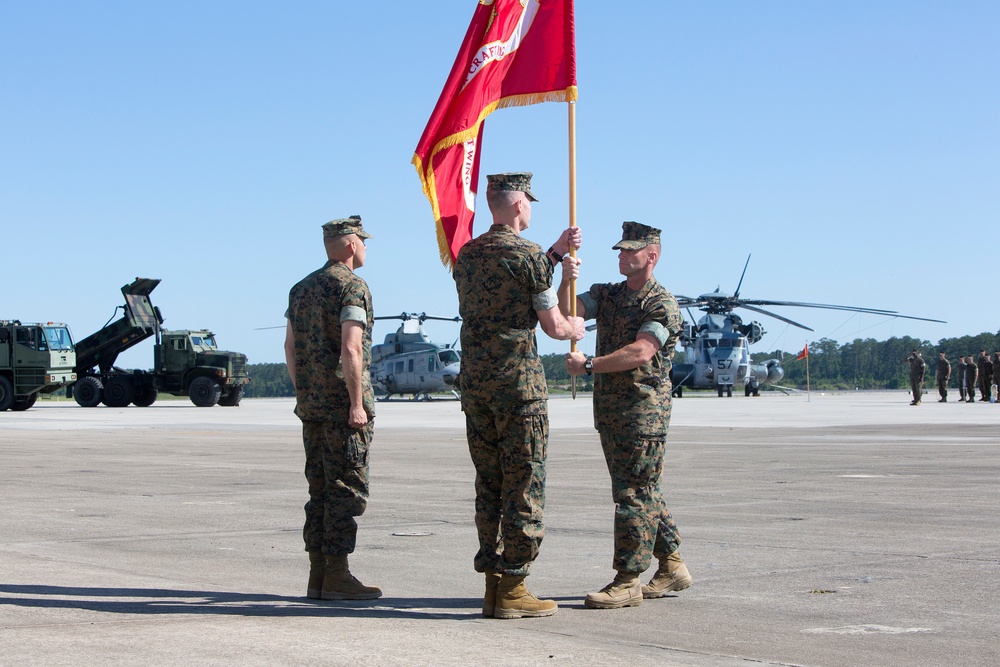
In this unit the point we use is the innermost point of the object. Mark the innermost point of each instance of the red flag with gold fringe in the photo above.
(515, 53)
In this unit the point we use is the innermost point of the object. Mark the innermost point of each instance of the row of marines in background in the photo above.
(982, 373)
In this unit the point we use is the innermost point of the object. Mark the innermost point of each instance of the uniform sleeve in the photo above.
(593, 299)
(663, 320)
(590, 306)
(354, 304)
(538, 276)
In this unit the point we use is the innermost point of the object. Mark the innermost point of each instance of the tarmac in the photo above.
(821, 529)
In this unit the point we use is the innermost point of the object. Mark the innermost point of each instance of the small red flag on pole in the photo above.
(515, 53)
(804, 353)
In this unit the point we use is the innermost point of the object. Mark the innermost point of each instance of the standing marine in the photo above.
(942, 375)
(985, 375)
(971, 379)
(328, 344)
(962, 366)
(996, 375)
(917, 369)
(638, 325)
(505, 291)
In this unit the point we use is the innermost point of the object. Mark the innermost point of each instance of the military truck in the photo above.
(185, 363)
(34, 359)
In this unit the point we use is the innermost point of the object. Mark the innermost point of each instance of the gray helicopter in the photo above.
(408, 363)
(715, 352)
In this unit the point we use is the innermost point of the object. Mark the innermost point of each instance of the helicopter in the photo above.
(715, 349)
(407, 362)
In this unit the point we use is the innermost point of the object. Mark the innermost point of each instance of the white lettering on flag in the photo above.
(495, 51)
(468, 164)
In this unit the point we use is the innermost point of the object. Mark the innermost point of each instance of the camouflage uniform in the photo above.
(632, 415)
(941, 375)
(961, 379)
(986, 376)
(996, 369)
(502, 280)
(971, 376)
(336, 454)
(917, 370)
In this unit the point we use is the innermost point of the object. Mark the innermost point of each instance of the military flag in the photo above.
(515, 53)
(804, 353)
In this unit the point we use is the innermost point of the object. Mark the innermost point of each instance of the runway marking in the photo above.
(868, 629)
(863, 476)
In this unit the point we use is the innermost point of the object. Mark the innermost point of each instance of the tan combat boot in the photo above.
(514, 600)
(317, 564)
(490, 598)
(340, 584)
(624, 591)
(672, 575)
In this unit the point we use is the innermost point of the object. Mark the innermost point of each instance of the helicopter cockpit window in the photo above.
(725, 342)
(431, 363)
(399, 367)
(448, 357)
(711, 342)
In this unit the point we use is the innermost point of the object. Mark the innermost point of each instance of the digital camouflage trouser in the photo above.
(508, 451)
(942, 384)
(644, 526)
(337, 472)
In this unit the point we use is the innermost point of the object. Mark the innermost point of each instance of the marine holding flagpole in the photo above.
(638, 326)
(505, 291)
(515, 53)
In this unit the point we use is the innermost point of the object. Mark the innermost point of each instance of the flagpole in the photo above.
(572, 219)
(808, 390)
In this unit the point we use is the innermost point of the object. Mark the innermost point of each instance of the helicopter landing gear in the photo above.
(727, 390)
(751, 389)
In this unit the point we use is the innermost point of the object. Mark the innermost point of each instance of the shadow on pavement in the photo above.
(170, 601)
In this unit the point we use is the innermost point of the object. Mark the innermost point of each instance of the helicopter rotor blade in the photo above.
(442, 319)
(402, 316)
(776, 316)
(828, 306)
(736, 295)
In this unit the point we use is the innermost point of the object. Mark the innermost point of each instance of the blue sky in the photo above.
(852, 147)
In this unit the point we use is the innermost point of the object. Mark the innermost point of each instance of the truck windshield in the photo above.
(203, 341)
(59, 339)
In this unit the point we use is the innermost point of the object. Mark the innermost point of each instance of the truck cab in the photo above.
(189, 362)
(34, 359)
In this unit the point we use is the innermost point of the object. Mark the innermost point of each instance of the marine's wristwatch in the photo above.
(588, 366)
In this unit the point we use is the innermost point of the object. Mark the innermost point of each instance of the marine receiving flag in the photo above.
(515, 53)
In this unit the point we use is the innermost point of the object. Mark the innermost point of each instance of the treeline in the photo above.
(268, 381)
(860, 364)
(873, 364)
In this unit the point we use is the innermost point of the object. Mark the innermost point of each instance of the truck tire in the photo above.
(204, 391)
(23, 403)
(88, 392)
(118, 391)
(6, 394)
(233, 398)
(145, 397)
